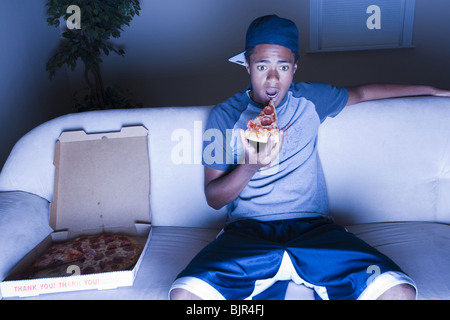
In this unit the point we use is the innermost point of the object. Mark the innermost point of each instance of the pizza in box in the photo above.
(90, 254)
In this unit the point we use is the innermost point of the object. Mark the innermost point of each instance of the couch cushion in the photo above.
(23, 224)
(421, 249)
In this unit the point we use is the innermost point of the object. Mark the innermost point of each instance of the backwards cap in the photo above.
(269, 29)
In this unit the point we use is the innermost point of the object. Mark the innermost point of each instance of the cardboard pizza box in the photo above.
(102, 185)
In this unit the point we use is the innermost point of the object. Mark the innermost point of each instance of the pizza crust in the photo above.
(262, 135)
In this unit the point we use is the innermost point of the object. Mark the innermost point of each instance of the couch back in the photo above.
(383, 160)
(389, 160)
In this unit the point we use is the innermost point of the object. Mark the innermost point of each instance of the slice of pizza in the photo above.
(264, 125)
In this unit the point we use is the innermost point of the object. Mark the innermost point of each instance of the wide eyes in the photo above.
(262, 67)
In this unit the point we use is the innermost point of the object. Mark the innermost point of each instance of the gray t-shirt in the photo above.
(293, 186)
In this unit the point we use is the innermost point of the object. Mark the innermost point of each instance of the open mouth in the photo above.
(272, 93)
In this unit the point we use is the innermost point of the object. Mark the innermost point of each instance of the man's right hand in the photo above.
(261, 154)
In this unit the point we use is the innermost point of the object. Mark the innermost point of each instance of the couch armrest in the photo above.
(24, 222)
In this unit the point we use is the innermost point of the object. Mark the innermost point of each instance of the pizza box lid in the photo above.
(102, 180)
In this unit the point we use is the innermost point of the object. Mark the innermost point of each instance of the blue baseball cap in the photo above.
(269, 29)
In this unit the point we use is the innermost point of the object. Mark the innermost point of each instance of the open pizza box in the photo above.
(102, 185)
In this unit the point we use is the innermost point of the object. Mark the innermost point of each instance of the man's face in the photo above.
(271, 69)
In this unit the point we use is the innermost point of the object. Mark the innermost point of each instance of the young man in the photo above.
(278, 228)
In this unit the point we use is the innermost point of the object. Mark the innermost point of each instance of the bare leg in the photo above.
(399, 292)
(182, 294)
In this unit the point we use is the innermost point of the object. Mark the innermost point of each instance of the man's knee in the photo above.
(182, 294)
(399, 292)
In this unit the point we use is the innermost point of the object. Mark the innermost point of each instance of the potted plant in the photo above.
(87, 40)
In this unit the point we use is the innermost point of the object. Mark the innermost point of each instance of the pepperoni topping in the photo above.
(109, 239)
(266, 121)
(110, 252)
(99, 256)
(118, 259)
(125, 243)
(95, 245)
(52, 249)
(268, 110)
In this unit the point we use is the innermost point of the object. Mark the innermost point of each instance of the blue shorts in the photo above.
(256, 260)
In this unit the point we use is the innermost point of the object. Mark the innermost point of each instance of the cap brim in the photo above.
(239, 59)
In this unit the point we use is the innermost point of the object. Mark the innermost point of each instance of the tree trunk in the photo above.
(99, 88)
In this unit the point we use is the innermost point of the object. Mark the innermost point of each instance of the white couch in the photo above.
(387, 166)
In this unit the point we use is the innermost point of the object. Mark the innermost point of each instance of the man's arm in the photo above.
(383, 91)
(223, 187)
